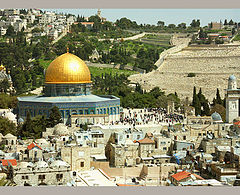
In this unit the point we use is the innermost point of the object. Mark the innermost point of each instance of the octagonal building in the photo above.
(68, 86)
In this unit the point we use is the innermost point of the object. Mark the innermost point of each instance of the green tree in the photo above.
(197, 107)
(171, 26)
(202, 34)
(160, 23)
(233, 31)
(10, 31)
(225, 22)
(182, 25)
(196, 102)
(138, 88)
(206, 109)
(6, 126)
(231, 22)
(4, 85)
(27, 127)
(194, 96)
(156, 92)
(204, 104)
(218, 99)
(55, 117)
(195, 23)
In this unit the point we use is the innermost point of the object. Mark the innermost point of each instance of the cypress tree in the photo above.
(55, 117)
(225, 22)
(206, 109)
(218, 98)
(197, 106)
(196, 102)
(27, 127)
(194, 96)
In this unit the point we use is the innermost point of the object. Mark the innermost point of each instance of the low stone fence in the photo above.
(116, 66)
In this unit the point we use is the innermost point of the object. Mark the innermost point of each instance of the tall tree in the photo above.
(160, 23)
(218, 98)
(206, 109)
(6, 126)
(55, 117)
(4, 85)
(194, 96)
(196, 102)
(27, 127)
(10, 31)
(231, 22)
(225, 22)
(182, 25)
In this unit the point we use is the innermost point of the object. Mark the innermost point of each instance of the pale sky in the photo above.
(169, 16)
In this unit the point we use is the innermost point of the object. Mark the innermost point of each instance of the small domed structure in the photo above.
(232, 77)
(60, 130)
(41, 164)
(10, 136)
(216, 117)
(59, 163)
(232, 82)
(20, 120)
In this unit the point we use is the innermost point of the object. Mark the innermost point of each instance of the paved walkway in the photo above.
(126, 38)
(61, 36)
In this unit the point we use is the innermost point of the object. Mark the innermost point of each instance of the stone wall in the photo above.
(117, 172)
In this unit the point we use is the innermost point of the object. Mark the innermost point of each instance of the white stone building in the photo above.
(232, 99)
(42, 173)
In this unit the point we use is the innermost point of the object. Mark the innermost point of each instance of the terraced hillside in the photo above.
(212, 66)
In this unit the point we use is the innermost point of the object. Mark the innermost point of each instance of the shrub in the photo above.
(191, 74)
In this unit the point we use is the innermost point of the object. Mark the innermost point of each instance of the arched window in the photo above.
(12, 142)
(6, 142)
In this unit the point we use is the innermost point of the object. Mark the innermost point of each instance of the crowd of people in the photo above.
(149, 116)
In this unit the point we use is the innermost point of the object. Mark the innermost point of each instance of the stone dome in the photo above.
(67, 69)
(40, 164)
(232, 77)
(59, 163)
(60, 129)
(216, 117)
(20, 120)
(10, 136)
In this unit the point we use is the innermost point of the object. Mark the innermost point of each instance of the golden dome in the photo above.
(67, 68)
